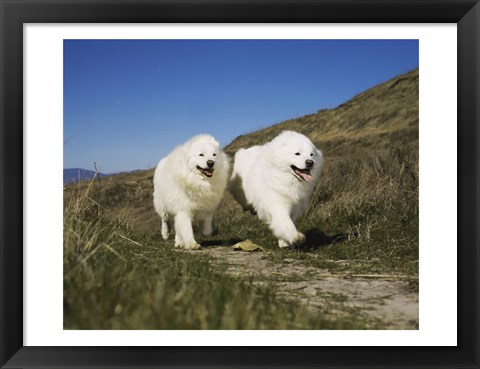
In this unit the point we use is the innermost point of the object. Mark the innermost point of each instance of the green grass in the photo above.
(116, 278)
(362, 220)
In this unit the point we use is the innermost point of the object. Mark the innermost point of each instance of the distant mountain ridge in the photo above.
(72, 175)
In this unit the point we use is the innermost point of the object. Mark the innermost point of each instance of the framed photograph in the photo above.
(376, 266)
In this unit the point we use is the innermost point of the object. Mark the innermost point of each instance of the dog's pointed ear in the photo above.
(213, 141)
(283, 138)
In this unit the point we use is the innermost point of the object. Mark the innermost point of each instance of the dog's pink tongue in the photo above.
(307, 177)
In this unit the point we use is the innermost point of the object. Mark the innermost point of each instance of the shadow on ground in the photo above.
(212, 243)
(316, 239)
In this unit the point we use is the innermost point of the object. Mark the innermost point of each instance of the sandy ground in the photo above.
(387, 299)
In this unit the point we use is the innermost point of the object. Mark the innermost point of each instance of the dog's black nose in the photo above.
(210, 163)
(308, 163)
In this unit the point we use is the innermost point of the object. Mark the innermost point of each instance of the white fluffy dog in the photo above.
(188, 186)
(276, 180)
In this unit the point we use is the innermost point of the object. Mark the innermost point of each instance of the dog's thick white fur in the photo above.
(276, 180)
(188, 186)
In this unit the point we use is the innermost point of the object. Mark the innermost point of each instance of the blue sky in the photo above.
(128, 103)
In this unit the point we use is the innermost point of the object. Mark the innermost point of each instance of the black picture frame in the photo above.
(15, 13)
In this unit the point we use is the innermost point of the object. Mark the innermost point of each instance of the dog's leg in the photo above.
(206, 225)
(236, 189)
(184, 232)
(165, 231)
(178, 241)
(294, 214)
(283, 228)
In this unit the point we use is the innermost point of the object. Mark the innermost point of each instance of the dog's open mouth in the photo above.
(208, 172)
(302, 174)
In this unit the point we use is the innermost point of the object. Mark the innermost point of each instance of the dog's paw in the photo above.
(299, 239)
(192, 246)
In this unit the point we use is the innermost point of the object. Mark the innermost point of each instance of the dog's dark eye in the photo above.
(311, 154)
(200, 154)
(297, 153)
(214, 154)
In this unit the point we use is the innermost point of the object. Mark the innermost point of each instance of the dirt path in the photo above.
(382, 299)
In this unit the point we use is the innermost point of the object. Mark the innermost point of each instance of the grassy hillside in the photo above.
(388, 107)
(364, 212)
